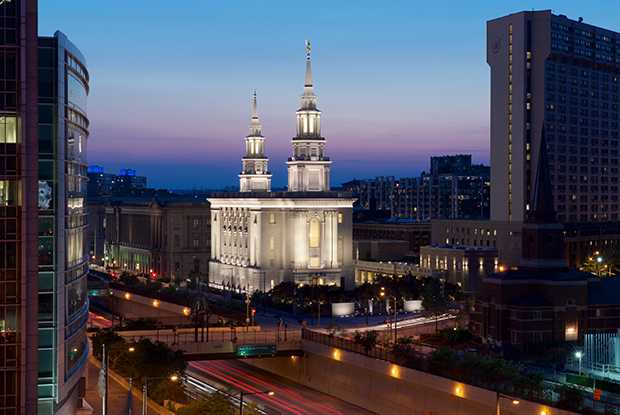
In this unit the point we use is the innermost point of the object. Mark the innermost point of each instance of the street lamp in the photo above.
(499, 396)
(145, 389)
(579, 356)
(242, 394)
(382, 295)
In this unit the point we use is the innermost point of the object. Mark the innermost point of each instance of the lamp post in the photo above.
(242, 394)
(145, 390)
(382, 294)
(499, 396)
(599, 261)
(579, 356)
(247, 310)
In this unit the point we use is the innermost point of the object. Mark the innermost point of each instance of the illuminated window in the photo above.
(8, 193)
(272, 218)
(315, 262)
(340, 217)
(315, 233)
(8, 130)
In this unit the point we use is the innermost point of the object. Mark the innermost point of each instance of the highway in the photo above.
(289, 398)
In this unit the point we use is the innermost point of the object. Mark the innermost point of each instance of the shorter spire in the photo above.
(255, 125)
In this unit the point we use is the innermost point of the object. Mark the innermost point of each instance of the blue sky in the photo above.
(397, 81)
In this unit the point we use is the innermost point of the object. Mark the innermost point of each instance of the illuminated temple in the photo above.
(260, 238)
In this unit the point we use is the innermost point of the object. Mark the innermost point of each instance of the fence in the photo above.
(238, 336)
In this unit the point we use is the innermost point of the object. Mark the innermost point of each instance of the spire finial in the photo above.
(254, 105)
(255, 126)
(308, 49)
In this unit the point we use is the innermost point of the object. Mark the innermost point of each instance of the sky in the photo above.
(397, 81)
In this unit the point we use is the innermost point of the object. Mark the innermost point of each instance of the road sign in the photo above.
(256, 350)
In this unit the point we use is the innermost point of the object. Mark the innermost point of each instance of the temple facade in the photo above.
(261, 238)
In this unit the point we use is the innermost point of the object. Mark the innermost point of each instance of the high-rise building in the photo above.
(63, 254)
(102, 184)
(454, 189)
(18, 207)
(564, 75)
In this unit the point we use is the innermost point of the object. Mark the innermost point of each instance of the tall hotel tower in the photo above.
(260, 238)
(548, 70)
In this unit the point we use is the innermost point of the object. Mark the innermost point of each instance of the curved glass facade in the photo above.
(63, 259)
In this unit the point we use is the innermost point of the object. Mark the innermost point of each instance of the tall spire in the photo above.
(308, 99)
(543, 210)
(255, 125)
(309, 166)
(542, 237)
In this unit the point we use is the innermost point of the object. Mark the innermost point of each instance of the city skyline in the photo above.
(394, 91)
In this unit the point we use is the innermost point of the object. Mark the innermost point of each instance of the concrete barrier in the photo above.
(389, 389)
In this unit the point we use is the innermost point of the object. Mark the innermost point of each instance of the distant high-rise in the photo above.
(18, 207)
(548, 70)
(102, 184)
(63, 254)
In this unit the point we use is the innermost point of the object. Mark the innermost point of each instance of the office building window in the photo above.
(8, 193)
(8, 130)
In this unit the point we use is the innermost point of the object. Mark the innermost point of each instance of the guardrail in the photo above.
(237, 336)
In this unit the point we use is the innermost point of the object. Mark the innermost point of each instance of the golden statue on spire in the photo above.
(308, 49)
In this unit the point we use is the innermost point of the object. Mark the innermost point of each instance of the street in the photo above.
(289, 398)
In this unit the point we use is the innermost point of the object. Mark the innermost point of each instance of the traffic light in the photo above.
(253, 312)
(597, 394)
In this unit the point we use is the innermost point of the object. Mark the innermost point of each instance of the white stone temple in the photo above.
(260, 238)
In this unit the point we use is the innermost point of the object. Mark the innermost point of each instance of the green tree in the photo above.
(108, 337)
(214, 404)
(367, 340)
(433, 298)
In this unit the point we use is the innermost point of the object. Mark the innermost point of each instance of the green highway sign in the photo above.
(256, 350)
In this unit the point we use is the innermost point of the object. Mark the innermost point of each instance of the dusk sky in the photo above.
(397, 81)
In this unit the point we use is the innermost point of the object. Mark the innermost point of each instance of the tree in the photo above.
(570, 398)
(107, 337)
(214, 404)
(433, 298)
(367, 340)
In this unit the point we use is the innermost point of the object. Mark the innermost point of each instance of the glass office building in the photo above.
(18, 213)
(62, 253)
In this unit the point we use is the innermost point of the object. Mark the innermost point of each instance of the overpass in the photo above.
(224, 343)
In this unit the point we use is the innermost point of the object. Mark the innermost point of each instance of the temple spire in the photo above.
(255, 125)
(308, 99)
(308, 83)
(255, 175)
(543, 210)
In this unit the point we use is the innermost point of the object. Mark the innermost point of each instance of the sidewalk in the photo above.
(118, 394)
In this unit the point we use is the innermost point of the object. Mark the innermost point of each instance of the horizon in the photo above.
(394, 89)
